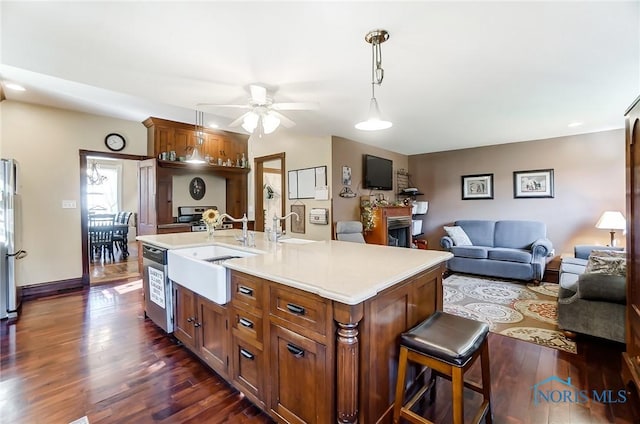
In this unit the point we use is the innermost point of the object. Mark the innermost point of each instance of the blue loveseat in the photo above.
(506, 249)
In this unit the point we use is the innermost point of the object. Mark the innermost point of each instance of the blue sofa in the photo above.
(506, 249)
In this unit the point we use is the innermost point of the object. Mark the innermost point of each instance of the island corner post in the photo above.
(366, 344)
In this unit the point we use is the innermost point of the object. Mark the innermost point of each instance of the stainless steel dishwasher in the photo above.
(158, 301)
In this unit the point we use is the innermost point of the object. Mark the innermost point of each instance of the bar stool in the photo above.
(449, 345)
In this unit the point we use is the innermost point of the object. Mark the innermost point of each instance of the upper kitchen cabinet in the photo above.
(167, 136)
(156, 175)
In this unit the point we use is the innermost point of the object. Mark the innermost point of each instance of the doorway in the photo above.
(270, 189)
(108, 196)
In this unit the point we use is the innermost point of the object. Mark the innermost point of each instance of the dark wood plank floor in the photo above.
(92, 353)
(103, 270)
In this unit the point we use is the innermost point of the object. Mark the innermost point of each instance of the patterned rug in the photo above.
(525, 312)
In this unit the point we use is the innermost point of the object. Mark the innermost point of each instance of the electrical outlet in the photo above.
(68, 204)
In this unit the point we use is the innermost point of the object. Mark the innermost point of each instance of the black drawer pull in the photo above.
(197, 324)
(189, 319)
(245, 290)
(246, 354)
(297, 352)
(295, 309)
(245, 322)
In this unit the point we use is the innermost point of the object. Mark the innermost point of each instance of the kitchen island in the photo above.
(311, 331)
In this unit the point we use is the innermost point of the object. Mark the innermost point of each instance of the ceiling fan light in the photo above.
(250, 122)
(373, 122)
(270, 123)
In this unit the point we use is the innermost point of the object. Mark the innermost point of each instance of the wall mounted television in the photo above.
(378, 173)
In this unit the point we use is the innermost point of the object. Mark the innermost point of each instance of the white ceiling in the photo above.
(457, 74)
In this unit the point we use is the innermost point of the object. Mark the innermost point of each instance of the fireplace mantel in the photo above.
(379, 234)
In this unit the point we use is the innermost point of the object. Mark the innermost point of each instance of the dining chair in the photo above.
(101, 234)
(120, 238)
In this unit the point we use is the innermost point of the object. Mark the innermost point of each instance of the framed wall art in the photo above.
(479, 186)
(533, 184)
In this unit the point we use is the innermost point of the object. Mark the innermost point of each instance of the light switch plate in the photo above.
(68, 204)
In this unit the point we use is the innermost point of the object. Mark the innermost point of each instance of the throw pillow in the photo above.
(459, 237)
(610, 262)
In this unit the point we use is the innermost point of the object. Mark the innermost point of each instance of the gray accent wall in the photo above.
(589, 171)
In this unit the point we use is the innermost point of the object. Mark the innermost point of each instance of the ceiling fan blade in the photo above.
(283, 119)
(215, 105)
(258, 94)
(295, 106)
(239, 120)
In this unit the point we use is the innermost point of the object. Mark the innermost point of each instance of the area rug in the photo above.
(522, 311)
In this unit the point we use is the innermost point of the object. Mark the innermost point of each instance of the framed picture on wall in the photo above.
(533, 184)
(475, 187)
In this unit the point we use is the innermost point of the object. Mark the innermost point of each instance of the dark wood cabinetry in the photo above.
(304, 358)
(156, 176)
(201, 325)
(185, 316)
(631, 358)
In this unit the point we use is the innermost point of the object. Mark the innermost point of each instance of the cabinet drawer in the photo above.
(247, 325)
(246, 290)
(296, 307)
(248, 368)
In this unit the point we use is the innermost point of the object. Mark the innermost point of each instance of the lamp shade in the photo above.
(612, 220)
(195, 156)
(374, 122)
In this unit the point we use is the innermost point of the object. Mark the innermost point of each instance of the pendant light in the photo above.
(374, 121)
(93, 176)
(196, 157)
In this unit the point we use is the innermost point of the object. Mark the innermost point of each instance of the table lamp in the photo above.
(612, 220)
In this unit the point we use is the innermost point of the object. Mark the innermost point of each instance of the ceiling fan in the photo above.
(263, 115)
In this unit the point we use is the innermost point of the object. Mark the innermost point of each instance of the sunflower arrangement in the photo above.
(211, 217)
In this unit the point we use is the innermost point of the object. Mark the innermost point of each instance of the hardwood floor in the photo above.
(103, 270)
(92, 353)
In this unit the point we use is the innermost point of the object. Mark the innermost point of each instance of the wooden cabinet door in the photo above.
(300, 385)
(164, 201)
(248, 368)
(631, 370)
(163, 140)
(185, 316)
(183, 140)
(147, 222)
(213, 340)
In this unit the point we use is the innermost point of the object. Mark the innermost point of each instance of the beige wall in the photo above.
(45, 141)
(300, 152)
(215, 192)
(589, 173)
(346, 152)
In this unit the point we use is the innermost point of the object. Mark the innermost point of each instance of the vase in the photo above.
(210, 231)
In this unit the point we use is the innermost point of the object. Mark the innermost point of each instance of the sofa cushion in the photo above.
(474, 252)
(607, 262)
(458, 236)
(518, 234)
(480, 232)
(512, 255)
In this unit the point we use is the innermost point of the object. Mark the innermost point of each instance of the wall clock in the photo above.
(115, 142)
(197, 188)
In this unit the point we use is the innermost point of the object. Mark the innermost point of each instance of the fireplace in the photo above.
(392, 226)
(399, 229)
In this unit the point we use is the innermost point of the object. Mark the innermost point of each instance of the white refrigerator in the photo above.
(10, 238)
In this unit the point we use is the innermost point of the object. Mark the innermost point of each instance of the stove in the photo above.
(193, 215)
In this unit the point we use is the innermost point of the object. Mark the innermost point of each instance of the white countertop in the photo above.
(345, 272)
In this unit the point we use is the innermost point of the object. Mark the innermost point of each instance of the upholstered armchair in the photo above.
(591, 303)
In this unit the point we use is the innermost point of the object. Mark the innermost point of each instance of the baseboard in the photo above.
(34, 291)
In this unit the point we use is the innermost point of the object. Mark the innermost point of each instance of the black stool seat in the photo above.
(448, 338)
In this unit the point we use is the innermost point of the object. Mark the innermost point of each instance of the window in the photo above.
(103, 185)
